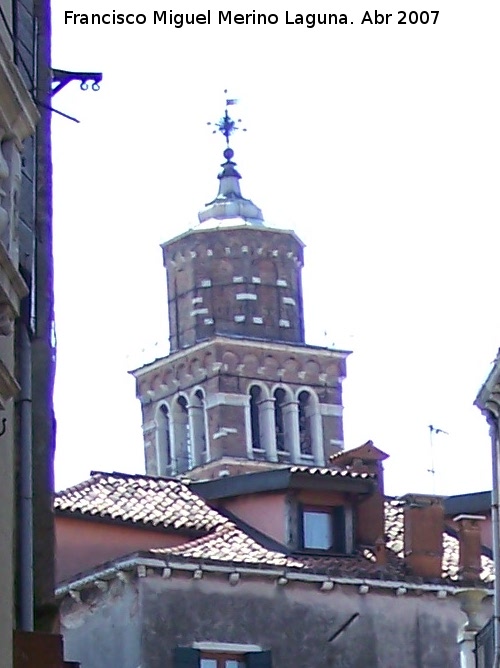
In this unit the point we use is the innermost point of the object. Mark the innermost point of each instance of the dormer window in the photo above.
(326, 529)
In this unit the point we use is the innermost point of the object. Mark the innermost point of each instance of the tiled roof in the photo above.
(170, 503)
(140, 499)
(325, 471)
(364, 450)
(394, 528)
(230, 544)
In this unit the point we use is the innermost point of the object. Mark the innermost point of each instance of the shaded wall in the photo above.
(295, 621)
(82, 544)
(103, 635)
(266, 512)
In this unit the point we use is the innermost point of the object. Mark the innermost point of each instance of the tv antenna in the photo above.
(432, 470)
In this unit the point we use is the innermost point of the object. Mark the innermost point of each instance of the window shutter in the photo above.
(339, 542)
(258, 660)
(186, 657)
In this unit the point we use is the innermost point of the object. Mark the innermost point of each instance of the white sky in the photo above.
(379, 145)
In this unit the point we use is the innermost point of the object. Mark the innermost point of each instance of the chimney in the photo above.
(469, 538)
(370, 512)
(380, 551)
(423, 535)
(370, 519)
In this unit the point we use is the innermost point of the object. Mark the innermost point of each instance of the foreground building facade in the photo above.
(28, 614)
(255, 538)
(488, 401)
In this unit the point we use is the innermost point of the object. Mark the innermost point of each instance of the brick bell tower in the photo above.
(240, 385)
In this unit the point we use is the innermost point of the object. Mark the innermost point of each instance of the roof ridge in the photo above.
(144, 476)
(142, 500)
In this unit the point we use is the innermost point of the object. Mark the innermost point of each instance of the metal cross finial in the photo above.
(226, 125)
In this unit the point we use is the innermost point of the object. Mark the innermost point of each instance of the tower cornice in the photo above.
(256, 345)
(207, 231)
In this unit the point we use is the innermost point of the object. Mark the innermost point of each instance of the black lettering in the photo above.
(160, 17)
(378, 19)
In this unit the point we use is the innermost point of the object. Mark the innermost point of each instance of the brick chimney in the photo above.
(469, 538)
(370, 517)
(370, 520)
(423, 535)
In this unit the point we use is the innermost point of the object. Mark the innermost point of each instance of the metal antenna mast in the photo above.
(432, 469)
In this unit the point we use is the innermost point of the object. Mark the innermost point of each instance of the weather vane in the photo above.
(226, 125)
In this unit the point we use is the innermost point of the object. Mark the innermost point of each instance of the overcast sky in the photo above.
(378, 144)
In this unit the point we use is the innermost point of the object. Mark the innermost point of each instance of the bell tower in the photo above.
(240, 383)
(240, 279)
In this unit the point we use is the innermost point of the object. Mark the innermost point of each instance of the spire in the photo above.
(229, 207)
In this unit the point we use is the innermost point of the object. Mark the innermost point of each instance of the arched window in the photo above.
(305, 428)
(182, 436)
(255, 398)
(164, 444)
(279, 420)
(199, 439)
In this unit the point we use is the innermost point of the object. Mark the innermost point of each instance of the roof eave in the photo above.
(281, 480)
(488, 397)
(79, 515)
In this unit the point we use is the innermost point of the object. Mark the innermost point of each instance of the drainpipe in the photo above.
(26, 593)
(495, 521)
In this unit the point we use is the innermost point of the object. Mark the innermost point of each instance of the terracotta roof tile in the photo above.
(325, 471)
(170, 503)
(365, 450)
(394, 528)
(230, 544)
(140, 499)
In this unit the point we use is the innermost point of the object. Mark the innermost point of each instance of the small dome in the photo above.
(229, 208)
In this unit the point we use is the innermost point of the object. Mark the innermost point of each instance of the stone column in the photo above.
(11, 150)
(4, 215)
(317, 437)
(268, 428)
(196, 417)
(151, 450)
(181, 446)
(248, 429)
(470, 603)
(291, 423)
